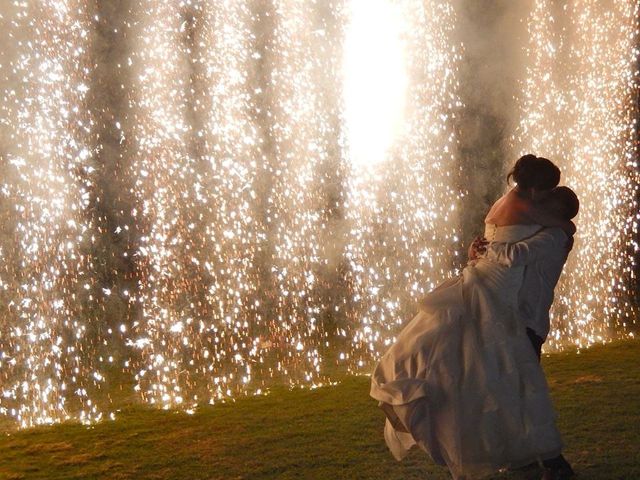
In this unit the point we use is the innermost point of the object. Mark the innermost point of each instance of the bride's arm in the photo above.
(526, 251)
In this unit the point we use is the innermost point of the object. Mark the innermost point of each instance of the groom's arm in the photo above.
(526, 251)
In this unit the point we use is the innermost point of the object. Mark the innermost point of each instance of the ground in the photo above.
(328, 433)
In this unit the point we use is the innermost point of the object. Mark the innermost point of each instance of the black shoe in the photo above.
(528, 472)
(562, 473)
(557, 469)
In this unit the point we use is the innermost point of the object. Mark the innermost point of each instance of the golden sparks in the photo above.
(402, 212)
(577, 108)
(48, 290)
(293, 185)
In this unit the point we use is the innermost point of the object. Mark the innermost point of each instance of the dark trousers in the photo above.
(558, 462)
(536, 341)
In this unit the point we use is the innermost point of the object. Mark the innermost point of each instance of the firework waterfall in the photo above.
(202, 199)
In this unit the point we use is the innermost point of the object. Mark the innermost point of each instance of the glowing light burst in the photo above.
(578, 109)
(375, 78)
(402, 213)
(49, 296)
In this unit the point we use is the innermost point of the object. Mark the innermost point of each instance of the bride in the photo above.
(462, 381)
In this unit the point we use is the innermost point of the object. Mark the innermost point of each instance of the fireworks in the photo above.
(47, 344)
(578, 110)
(165, 171)
(291, 180)
(402, 210)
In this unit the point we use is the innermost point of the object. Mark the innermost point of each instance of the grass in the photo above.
(328, 433)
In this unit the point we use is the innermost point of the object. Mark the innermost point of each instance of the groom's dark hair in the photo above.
(568, 199)
(530, 171)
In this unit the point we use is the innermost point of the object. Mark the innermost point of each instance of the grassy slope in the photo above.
(328, 433)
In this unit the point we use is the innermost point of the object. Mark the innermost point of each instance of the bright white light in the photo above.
(375, 79)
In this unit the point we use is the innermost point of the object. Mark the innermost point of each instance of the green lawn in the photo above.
(328, 433)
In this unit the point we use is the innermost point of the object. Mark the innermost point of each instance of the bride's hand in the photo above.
(478, 247)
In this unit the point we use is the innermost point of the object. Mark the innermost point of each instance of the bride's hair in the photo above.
(568, 199)
(530, 171)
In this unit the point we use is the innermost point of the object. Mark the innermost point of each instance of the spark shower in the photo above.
(203, 198)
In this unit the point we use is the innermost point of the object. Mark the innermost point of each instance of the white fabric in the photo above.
(463, 380)
(543, 256)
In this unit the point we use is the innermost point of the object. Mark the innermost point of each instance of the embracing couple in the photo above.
(463, 380)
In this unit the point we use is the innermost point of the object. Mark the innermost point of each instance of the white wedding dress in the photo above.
(462, 380)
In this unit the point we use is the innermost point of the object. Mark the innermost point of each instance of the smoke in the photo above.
(112, 198)
(493, 34)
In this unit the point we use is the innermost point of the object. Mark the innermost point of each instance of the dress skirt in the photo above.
(463, 383)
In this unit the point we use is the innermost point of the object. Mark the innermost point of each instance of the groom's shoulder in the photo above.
(555, 231)
(556, 234)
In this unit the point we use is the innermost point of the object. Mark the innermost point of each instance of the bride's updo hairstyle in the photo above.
(535, 172)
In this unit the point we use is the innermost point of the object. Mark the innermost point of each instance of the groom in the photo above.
(544, 255)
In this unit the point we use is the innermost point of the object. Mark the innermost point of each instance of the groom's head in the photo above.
(563, 202)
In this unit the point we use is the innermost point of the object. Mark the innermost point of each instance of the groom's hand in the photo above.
(478, 247)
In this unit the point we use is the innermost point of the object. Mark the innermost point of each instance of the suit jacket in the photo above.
(543, 255)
